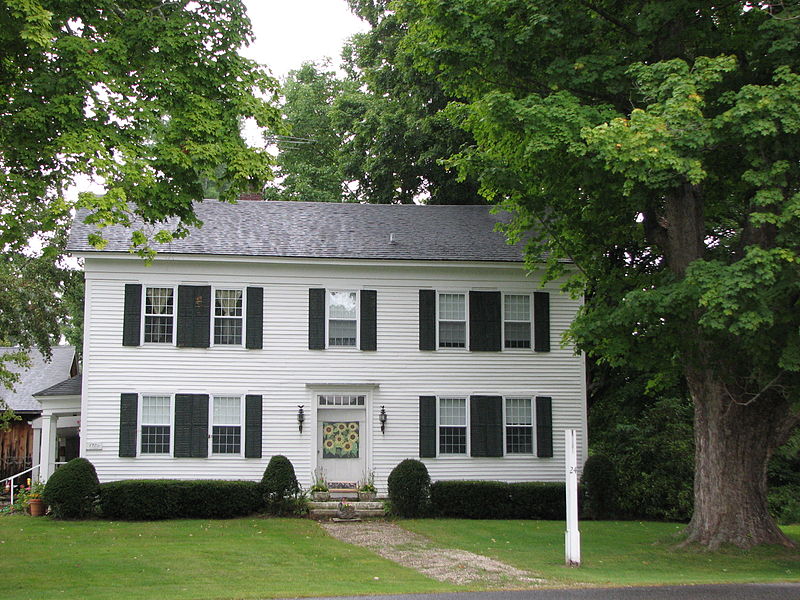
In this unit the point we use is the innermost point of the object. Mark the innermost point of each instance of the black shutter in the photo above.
(486, 425)
(128, 423)
(132, 316)
(427, 319)
(544, 426)
(427, 426)
(254, 336)
(191, 425)
(194, 316)
(369, 320)
(541, 321)
(484, 321)
(252, 426)
(316, 319)
(200, 425)
(183, 425)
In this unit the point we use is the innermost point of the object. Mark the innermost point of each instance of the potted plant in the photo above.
(368, 492)
(34, 499)
(319, 489)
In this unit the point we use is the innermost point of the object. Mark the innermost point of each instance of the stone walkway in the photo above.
(419, 553)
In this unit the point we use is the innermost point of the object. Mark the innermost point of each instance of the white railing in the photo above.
(10, 480)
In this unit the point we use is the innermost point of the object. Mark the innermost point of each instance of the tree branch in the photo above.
(608, 17)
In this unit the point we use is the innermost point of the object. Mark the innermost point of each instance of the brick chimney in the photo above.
(251, 197)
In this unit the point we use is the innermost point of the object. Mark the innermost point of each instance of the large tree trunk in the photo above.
(734, 440)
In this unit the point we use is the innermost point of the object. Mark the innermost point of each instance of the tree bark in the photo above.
(734, 440)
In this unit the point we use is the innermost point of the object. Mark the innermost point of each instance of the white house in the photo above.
(343, 336)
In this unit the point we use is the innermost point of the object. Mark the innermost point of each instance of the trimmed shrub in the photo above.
(154, 499)
(280, 487)
(600, 488)
(498, 500)
(409, 488)
(71, 490)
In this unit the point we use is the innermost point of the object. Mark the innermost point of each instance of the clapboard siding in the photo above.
(281, 370)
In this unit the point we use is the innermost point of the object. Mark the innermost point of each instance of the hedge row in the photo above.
(152, 499)
(498, 500)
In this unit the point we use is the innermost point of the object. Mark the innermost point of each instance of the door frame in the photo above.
(369, 391)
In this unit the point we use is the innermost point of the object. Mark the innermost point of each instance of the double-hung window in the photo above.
(519, 426)
(159, 315)
(517, 321)
(156, 424)
(342, 318)
(452, 321)
(226, 425)
(452, 425)
(228, 317)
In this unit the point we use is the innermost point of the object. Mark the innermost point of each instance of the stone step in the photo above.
(333, 504)
(330, 510)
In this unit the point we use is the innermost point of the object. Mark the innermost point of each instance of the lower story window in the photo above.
(452, 425)
(156, 411)
(519, 426)
(226, 429)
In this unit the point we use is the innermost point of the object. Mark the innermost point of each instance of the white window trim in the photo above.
(140, 424)
(357, 345)
(212, 308)
(174, 289)
(439, 348)
(466, 453)
(503, 321)
(532, 400)
(242, 407)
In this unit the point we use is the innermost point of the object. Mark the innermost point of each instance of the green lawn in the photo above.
(237, 558)
(613, 553)
(263, 558)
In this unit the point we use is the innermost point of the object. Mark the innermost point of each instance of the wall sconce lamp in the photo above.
(382, 419)
(300, 416)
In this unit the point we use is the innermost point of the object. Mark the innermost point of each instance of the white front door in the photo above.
(341, 447)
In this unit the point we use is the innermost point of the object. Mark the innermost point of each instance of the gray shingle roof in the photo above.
(40, 375)
(331, 230)
(68, 387)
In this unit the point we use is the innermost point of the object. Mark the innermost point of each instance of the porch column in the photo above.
(36, 451)
(47, 454)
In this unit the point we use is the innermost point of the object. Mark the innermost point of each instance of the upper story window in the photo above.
(452, 321)
(159, 314)
(517, 321)
(519, 426)
(342, 318)
(156, 424)
(228, 317)
(226, 425)
(452, 425)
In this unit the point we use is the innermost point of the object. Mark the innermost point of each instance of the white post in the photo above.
(47, 452)
(572, 537)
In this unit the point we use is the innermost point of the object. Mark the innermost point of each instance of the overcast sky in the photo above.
(289, 32)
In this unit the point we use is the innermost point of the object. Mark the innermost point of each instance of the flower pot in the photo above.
(36, 506)
(320, 496)
(367, 496)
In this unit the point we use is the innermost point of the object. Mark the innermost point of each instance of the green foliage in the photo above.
(600, 488)
(144, 96)
(71, 491)
(375, 134)
(498, 500)
(650, 443)
(409, 488)
(150, 500)
(309, 163)
(280, 486)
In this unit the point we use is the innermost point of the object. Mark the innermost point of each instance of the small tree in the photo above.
(72, 490)
(409, 488)
(280, 486)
